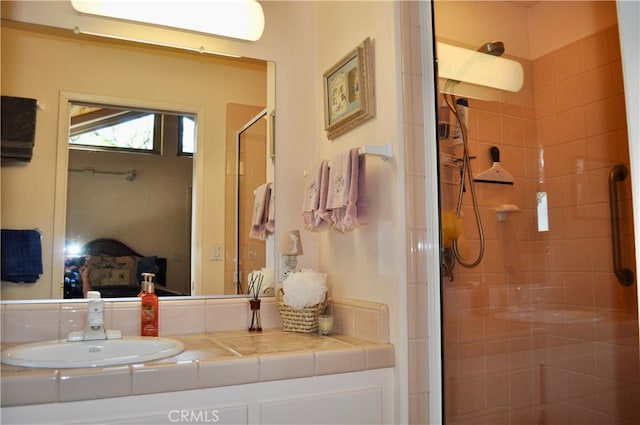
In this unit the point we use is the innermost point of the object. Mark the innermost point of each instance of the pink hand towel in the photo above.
(271, 213)
(260, 212)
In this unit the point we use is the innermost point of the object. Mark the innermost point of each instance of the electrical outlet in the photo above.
(283, 273)
(252, 253)
(217, 252)
(287, 266)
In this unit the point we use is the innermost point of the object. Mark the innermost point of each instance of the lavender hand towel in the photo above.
(339, 176)
(314, 208)
(357, 212)
(344, 216)
(322, 215)
(311, 199)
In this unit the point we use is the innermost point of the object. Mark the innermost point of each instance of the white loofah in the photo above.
(304, 289)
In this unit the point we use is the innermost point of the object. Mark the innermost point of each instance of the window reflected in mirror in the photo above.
(97, 127)
(187, 141)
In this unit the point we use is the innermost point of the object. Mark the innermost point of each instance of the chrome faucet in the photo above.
(95, 329)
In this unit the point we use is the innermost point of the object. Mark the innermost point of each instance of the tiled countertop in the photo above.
(209, 360)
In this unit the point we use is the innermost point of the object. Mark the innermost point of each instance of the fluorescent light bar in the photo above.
(241, 19)
(480, 69)
(200, 49)
(473, 91)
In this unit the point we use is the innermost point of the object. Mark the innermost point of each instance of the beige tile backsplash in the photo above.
(41, 321)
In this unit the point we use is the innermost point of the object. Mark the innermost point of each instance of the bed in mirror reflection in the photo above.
(112, 268)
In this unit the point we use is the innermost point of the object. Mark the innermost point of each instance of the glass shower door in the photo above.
(541, 331)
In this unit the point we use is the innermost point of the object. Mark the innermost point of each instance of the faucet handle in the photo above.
(75, 336)
(113, 334)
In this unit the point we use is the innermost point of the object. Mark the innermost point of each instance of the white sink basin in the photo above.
(110, 352)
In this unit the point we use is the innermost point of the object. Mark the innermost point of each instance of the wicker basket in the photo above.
(299, 320)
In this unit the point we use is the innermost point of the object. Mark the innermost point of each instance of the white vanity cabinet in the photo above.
(348, 398)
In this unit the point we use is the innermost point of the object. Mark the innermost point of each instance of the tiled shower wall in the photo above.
(561, 136)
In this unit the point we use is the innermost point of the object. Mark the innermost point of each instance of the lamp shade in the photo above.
(242, 19)
(291, 243)
(481, 69)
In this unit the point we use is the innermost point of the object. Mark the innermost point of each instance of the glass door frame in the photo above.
(434, 293)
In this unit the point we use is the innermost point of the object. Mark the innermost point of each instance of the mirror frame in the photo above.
(62, 164)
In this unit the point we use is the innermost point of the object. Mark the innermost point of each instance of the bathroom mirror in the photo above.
(137, 77)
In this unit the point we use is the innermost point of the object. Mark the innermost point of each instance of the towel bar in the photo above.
(129, 175)
(383, 151)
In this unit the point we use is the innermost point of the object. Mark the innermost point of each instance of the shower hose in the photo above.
(466, 169)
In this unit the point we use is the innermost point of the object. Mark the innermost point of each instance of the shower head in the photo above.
(495, 48)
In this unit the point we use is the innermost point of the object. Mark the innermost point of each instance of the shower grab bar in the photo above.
(625, 276)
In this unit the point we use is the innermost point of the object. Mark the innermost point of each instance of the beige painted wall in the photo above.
(368, 263)
(548, 23)
(364, 263)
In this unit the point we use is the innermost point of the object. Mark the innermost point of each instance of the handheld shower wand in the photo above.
(495, 48)
(466, 173)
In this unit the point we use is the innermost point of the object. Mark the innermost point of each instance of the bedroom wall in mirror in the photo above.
(130, 175)
(48, 64)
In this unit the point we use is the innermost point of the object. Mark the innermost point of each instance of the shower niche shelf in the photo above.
(503, 211)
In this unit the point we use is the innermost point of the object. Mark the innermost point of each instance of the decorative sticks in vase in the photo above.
(255, 285)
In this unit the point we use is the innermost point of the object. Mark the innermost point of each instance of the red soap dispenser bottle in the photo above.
(149, 308)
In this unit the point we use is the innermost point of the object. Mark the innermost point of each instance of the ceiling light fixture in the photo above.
(200, 49)
(241, 19)
(476, 74)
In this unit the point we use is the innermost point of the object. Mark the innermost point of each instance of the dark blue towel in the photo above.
(21, 255)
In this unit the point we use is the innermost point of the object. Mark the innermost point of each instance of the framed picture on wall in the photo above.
(348, 91)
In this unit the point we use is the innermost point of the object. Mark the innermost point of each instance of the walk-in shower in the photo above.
(540, 330)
